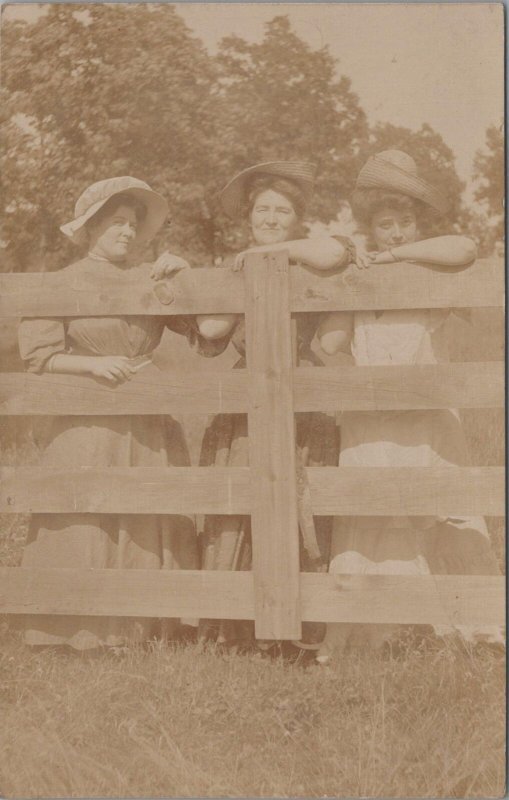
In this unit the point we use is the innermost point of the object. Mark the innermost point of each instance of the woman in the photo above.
(391, 202)
(271, 198)
(110, 217)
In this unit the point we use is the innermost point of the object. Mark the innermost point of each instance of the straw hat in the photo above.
(96, 195)
(397, 171)
(300, 172)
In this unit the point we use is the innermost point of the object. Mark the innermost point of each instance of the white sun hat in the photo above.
(96, 195)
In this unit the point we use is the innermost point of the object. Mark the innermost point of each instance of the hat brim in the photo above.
(157, 212)
(300, 172)
(378, 173)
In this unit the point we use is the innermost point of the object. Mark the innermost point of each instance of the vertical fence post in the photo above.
(272, 447)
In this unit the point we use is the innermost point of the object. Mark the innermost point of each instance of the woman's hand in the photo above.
(240, 258)
(115, 369)
(167, 264)
(363, 260)
(367, 260)
(386, 257)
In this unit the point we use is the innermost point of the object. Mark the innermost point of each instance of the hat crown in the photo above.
(103, 190)
(300, 172)
(398, 159)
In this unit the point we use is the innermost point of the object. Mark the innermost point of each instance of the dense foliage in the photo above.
(94, 91)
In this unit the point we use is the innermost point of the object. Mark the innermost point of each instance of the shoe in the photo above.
(324, 655)
(265, 644)
(306, 645)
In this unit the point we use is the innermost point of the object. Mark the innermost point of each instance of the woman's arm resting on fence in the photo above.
(335, 332)
(447, 252)
(113, 368)
(324, 252)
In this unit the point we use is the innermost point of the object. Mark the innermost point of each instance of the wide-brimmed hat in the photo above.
(96, 195)
(300, 172)
(397, 171)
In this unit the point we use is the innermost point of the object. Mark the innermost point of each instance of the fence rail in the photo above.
(275, 594)
(203, 291)
(430, 599)
(359, 491)
(348, 388)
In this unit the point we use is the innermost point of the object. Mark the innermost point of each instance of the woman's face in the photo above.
(115, 234)
(272, 218)
(390, 227)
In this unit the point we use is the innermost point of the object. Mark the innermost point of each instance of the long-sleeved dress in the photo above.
(119, 541)
(226, 540)
(421, 438)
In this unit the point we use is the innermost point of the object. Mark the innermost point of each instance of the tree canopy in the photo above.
(98, 90)
(489, 174)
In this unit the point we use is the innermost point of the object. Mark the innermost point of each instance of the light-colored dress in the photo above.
(118, 541)
(421, 438)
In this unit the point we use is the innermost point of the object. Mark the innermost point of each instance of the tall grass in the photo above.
(180, 721)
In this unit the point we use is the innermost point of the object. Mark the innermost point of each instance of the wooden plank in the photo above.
(429, 599)
(221, 291)
(439, 600)
(399, 286)
(128, 490)
(419, 386)
(131, 592)
(151, 391)
(225, 490)
(348, 491)
(413, 491)
(271, 426)
(69, 293)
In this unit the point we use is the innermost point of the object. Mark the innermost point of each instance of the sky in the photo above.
(409, 63)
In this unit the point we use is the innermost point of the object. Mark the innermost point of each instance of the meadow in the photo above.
(424, 719)
(179, 721)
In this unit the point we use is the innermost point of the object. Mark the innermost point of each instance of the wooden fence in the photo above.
(275, 594)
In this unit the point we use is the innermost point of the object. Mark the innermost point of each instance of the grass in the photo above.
(176, 720)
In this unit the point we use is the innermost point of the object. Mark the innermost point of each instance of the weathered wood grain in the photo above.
(439, 599)
(406, 599)
(128, 490)
(221, 290)
(274, 522)
(420, 386)
(400, 285)
(151, 391)
(133, 292)
(408, 491)
(347, 491)
(132, 592)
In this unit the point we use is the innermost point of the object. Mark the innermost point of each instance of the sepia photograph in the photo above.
(252, 422)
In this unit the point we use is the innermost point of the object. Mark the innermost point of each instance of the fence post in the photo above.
(272, 447)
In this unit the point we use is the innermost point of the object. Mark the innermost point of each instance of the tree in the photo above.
(97, 91)
(434, 159)
(280, 99)
(489, 175)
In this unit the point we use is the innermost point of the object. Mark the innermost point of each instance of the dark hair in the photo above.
(367, 202)
(115, 202)
(262, 183)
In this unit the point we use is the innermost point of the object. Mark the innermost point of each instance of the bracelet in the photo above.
(394, 256)
(50, 362)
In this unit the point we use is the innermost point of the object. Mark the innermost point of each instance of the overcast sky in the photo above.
(409, 63)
